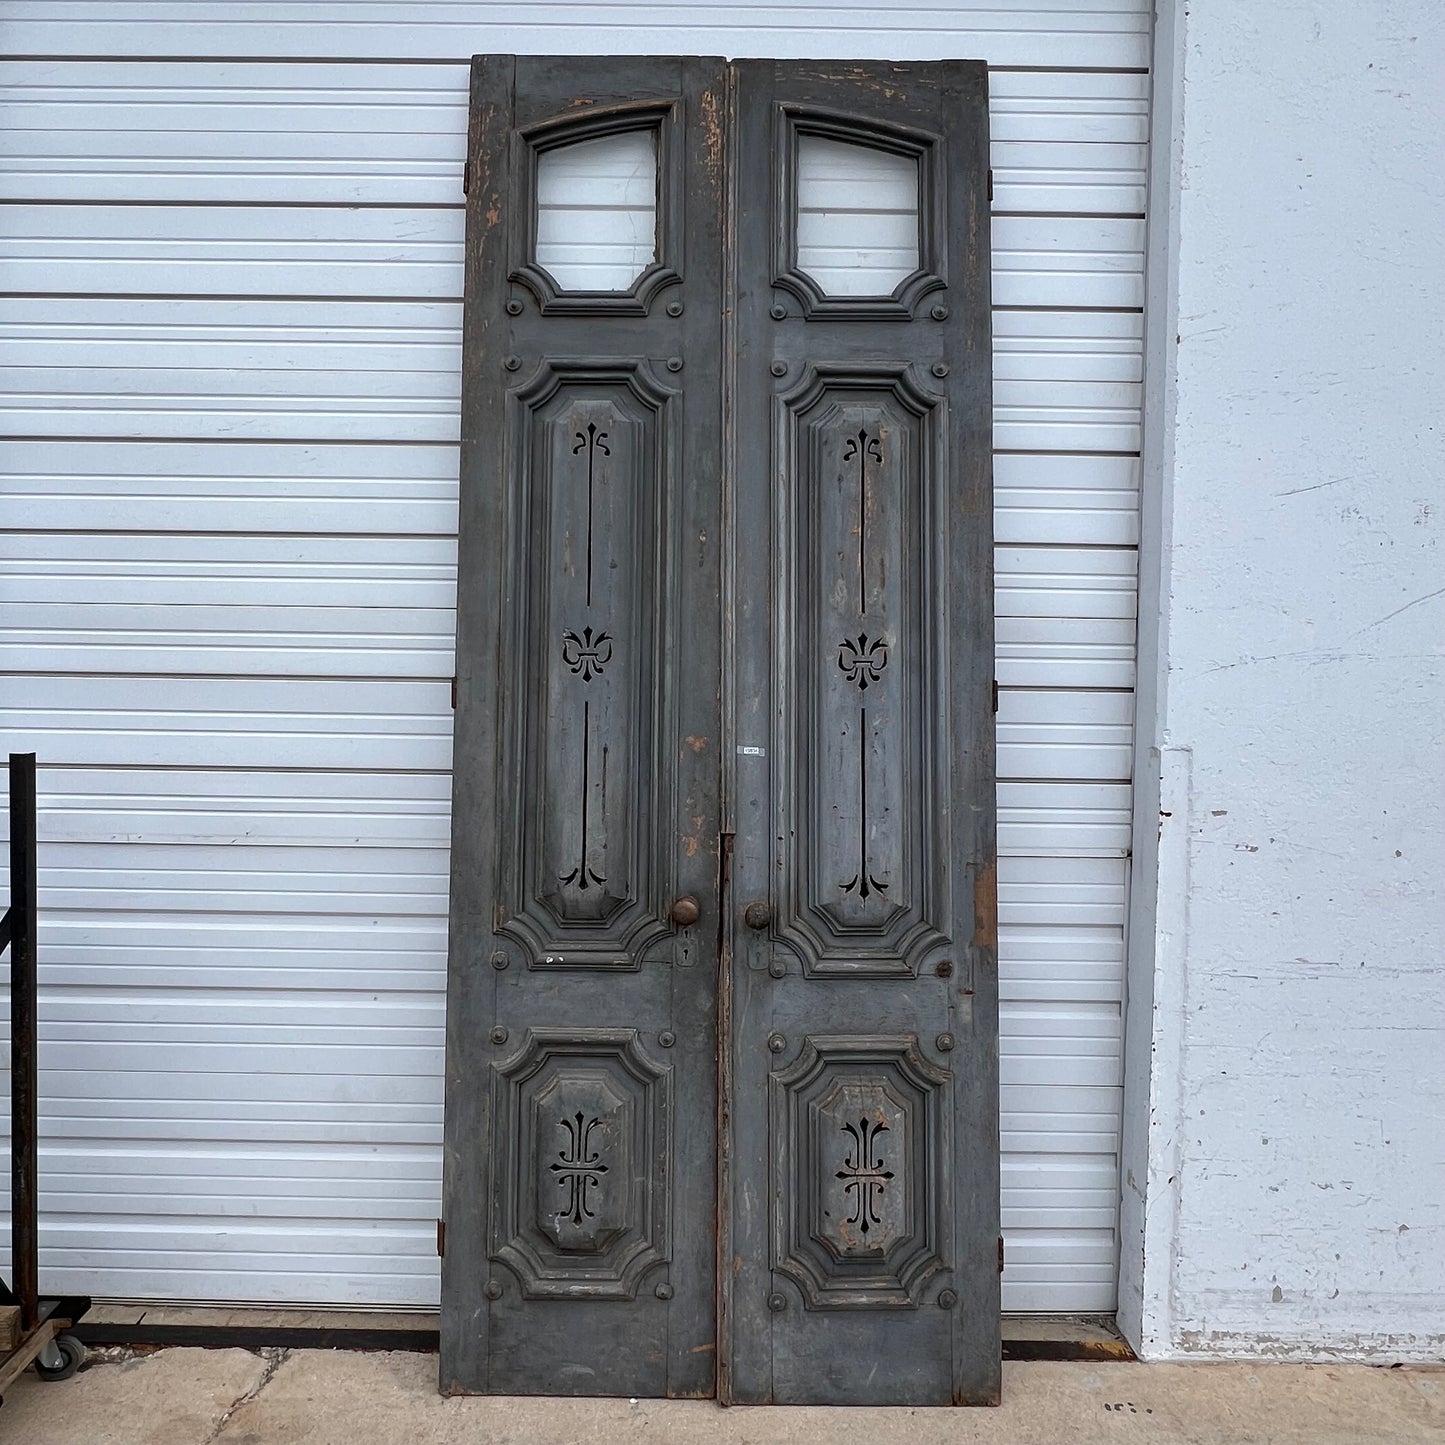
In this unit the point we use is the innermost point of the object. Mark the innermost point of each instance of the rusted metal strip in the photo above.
(24, 1122)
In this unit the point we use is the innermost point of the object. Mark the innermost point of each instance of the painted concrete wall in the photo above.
(1289, 946)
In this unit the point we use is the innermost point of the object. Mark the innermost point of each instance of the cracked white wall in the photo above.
(1298, 1129)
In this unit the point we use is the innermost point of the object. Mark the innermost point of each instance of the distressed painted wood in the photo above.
(862, 1160)
(580, 1176)
(795, 617)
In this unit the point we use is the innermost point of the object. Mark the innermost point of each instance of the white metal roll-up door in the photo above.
(231, 360)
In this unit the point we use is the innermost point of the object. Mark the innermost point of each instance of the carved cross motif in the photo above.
(862, 662)
(580, 1170)
(863, 1175)
(587, 654)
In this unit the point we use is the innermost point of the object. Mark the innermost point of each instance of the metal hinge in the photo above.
(1000, 1254)
(454, 695)
(442, 1240)
(466, 177)
(995, 694)
(990, 187)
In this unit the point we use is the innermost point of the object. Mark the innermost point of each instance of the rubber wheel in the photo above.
(74, 1353)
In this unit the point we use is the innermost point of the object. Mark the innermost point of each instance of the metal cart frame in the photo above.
(32, 1329)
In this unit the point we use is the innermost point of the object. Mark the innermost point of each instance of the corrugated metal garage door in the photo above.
(230, 414)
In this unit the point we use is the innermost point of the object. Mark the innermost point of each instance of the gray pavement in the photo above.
(320, 1397)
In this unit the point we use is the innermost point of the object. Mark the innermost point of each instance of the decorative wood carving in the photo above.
(861, 638)
(861, 1175)
(580, 777)
(583, 1133)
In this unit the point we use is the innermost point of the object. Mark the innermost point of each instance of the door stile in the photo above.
(471, 997)
(697, 650)
(968, 353)
(729, 593)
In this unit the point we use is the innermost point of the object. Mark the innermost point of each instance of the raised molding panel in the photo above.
(860, 649)
(862, 1181)
(583, 1150)
(580, 779)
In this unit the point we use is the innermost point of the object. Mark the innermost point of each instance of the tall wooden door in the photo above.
(580, 1173)
(721, 1052)
(862, 1157)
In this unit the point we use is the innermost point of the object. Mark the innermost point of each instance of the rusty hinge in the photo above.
(995, 694)
(441, 1239)
(454, 695)
(1000, 1254)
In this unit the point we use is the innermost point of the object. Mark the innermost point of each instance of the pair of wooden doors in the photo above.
(721, 1082)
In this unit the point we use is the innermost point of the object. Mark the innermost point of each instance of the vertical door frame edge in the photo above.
(1157, 920)
(727, 727)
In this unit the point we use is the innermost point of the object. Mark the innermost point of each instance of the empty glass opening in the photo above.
(857, 216)
(597, 211)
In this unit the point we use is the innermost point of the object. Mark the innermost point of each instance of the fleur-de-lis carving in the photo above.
(580, 1169)
(861, 661)
(863, 1175)
(593, 440)
(588, 653)
(864, 447)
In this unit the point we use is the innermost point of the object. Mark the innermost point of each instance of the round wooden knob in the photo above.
(757, 914)
(685, 912)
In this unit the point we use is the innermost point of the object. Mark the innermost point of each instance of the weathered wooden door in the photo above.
(862, 1158)
(580, 1173)
(724, 745)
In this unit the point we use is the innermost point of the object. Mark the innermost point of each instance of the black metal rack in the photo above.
(32, 1329)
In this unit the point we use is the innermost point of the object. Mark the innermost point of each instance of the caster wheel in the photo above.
(72, 1357)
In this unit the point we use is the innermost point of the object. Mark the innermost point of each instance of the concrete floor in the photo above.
(318, 1397)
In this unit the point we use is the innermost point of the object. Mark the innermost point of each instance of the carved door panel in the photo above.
(580, 1173)
(862, 1166)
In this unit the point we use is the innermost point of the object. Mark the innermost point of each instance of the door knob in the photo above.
(685, 911)
(757, 914)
